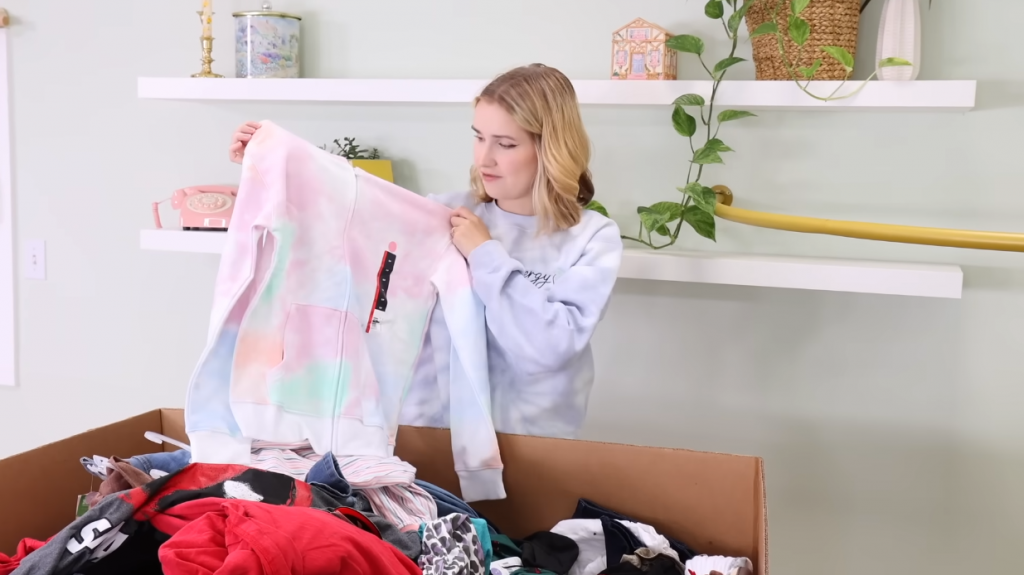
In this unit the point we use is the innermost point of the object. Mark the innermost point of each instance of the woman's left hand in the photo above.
(468, 231)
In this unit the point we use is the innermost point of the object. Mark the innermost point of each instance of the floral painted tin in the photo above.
(267, 44)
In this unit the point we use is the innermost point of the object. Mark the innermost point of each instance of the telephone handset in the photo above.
(202, 207)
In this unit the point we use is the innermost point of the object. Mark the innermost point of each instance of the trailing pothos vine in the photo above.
(662, 222)
(697, 205)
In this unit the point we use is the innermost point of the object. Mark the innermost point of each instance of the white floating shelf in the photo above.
(853, 276)
(924, 95)
(823, 274)
(170, 240)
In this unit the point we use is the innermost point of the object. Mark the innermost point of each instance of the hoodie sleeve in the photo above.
(474, 441)
(213, 430)
(545, 330)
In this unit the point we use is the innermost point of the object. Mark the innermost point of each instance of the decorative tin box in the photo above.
(267, 44)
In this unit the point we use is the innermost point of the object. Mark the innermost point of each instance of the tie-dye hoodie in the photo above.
(322, 301)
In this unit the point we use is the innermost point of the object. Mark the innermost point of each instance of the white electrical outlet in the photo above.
(34, 259)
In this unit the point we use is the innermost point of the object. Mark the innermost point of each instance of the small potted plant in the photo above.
(368, 160)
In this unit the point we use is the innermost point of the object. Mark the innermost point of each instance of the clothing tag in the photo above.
(377, 323)
(506, 566)
(83, 504)
(101, 461)
(380, 299)
(93, 468)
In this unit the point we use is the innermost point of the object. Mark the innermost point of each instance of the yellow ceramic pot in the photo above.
(380, 168)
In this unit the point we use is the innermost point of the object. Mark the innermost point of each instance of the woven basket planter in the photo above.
(833, 23)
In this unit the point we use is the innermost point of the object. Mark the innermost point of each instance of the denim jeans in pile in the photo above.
(448, 503)
(168, 462)
(327, 474)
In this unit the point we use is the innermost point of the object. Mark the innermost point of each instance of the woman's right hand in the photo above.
(240, 140)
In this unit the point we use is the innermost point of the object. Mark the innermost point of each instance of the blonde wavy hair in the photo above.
(543, 102)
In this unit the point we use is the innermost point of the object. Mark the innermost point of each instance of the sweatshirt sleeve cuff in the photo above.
(481, 484)
(488, 257)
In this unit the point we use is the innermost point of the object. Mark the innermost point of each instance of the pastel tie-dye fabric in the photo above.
(544, 296)
(322, 301)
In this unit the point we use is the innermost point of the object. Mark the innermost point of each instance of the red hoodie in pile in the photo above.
(250, 538)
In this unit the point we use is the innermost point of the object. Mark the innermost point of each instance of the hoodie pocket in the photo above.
(325, 370)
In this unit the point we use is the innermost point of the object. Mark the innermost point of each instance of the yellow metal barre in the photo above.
(999, 241)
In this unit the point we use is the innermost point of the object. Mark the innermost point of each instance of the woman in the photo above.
(543, 266)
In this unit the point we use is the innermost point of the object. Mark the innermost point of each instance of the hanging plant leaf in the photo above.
(766, 28)
(703, 197)
(684, 123)
(809, 71)
(737, 17)
(717, 145)
(689, 100)
(714, 9)
(653, 220)
(730, 115)
(840, 53)
(702, 222)
(673, 210)
(799, 30)
(686, 43)
(890, 62)
(725, 64)
(707, 155)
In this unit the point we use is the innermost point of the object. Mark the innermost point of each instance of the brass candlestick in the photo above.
(207, 60)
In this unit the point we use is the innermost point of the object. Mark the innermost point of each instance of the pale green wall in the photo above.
(890, 426)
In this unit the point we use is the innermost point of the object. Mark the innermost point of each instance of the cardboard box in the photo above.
(713, 502)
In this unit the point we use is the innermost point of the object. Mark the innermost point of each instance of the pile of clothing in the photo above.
(160, 513)
(325, 293)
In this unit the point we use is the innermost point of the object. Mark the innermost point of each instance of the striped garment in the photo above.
(294, 459)
(386, 482)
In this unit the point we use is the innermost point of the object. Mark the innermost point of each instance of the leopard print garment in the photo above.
(451, 546)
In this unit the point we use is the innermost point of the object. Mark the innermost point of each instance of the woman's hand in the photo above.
(240, 140)
(468, 231)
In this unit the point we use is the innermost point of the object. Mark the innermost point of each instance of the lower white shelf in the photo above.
(823, 274)
(169, 240)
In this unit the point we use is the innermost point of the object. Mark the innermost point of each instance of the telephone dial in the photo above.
(206, 208)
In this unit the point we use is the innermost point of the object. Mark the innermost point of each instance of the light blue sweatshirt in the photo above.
(544, 295)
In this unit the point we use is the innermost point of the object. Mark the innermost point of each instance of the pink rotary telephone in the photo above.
(202, 207)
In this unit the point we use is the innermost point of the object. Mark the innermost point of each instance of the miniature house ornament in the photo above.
(639, 52)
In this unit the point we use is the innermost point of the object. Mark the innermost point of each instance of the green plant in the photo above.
(799, 31)
(352, 151)
(697, 204)
(697, 207)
